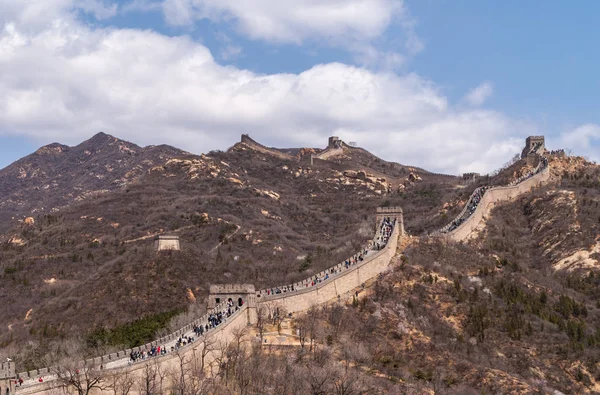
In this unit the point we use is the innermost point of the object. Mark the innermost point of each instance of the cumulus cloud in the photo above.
(290, 21)
(36, 15)
(583, 140)
(476, 97)
(152, 89)
(354, 25)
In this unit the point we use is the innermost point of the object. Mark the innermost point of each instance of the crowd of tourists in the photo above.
(542, 165)
(479, 192)
(155, 351)
(472, 205)
(385, 232)
(380, 240)
(212, 321)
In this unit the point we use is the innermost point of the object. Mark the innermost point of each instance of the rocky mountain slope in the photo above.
(56, 175)
(514, 309)
(241, 215)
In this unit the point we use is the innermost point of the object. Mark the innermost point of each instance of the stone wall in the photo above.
(303, 298)
(223, 334)
(7, 378)
(329, 152)
(492, 197)
(264, 149)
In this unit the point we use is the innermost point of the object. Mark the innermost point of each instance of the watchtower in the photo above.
(534, 145)
(391, 212)
(239, 294)
(334, 142)
(470, 177)
(162, 243)
(7, 377)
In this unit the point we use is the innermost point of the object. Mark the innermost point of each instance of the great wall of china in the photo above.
(294, 298)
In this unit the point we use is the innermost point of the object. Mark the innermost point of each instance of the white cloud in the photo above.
(290, 21)
(583, 140)
(36, 15)
(231, 52)
(476, 97)
(98, 8)
(152, 89)
(141, 5)
(354, 25)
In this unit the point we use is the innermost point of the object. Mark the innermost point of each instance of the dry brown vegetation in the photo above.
(516, 309)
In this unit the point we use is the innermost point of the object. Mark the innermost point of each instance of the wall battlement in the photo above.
(389, 210)
(7, 370)
(240, 288)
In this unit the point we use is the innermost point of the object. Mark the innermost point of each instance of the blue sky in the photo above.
(466, 79)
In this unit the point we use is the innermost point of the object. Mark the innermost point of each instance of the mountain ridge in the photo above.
(56, 175)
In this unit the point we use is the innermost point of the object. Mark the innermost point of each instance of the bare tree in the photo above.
(261, 321)
(301, 331)
(208, 346)
(148, 384)
(279, 316)
(121, 383)
(346, 382)
(73, 371)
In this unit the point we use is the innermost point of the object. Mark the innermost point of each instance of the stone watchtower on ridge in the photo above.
(239, 294)
(534, 145)
(7, 377)
(334, 142)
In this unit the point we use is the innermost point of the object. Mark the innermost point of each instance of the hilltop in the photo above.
(57, 175)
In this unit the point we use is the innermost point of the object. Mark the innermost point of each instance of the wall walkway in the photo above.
(343, 281)
(265, 150)
(491, 197)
